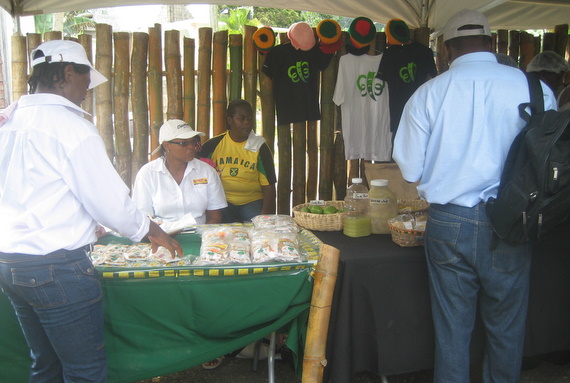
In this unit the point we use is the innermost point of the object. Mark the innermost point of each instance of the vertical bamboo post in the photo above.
(219, 81)
(250, 69)
(328, 83)
(312, 160)
(380, 45)
(139, 100)
(493, 41)
(204, 80)
(284, 177)
(514, 45)
(299, 162)
(103, 104)
(189, 82)
(123, 161)
(325, 276)
(34, 40)
(502, 41)
(548, 41)
(561, 32)
(527, 49)
(236, 66)
(172, 64)
(53, 35)
(86, 42)
(267, 102)
(441, 57)
(19, 67)
(421, 35)
(340, 170)
(155, 85)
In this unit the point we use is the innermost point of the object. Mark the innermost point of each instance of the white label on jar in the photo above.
(360, 195)
(380, 201)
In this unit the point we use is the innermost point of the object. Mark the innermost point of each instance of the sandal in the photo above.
(213, 364)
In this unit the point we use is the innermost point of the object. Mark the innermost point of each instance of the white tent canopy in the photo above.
(502, 14)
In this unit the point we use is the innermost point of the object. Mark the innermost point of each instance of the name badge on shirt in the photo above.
(200, 181)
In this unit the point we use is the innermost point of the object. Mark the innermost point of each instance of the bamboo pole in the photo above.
(139, 100)
(250, 69)
(236, 66)
(340, 168)
(53, 35)
(441, 57)
(103, 104)
(219, 81)
(380, 44)
(86, 42)
(204, 80)
(19, 67)
(284, 177)
(325, 277)
(328, 83)
(189, 82)
(561, 32)
(299, 162)
(173, 66)
(155, 85)
(123, 158)
(267, 106)
(34, 40)
(548, 41)
(312, 160)
(527, 49)
(514, 45)
(493, 41)
(421, 35)
(502, 41)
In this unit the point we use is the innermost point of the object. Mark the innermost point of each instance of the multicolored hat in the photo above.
(397, 32)
(329, 31)
(302, 36)
(264, 39)
(362, 32)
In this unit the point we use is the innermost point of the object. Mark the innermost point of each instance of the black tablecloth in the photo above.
(381, 317)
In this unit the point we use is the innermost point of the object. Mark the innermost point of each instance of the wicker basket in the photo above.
(412, 205)
(404, 237)
(319, 222)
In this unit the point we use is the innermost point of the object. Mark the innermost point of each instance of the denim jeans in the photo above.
(59, 304)
(241, 213)
(469, 271)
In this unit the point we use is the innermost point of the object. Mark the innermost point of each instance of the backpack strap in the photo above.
(536, 103)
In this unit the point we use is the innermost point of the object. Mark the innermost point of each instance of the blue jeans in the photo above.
(467, 273)
(59, 304)
(241, 213)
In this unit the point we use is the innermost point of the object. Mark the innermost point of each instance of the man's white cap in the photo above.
(466, 23)
(65, 51)
(173, 129)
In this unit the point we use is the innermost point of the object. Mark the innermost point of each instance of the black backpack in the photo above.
(534, 193)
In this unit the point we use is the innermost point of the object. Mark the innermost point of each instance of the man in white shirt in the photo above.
(454, 136)
(56, 185)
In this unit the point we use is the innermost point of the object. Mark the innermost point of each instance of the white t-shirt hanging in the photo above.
(363, 99)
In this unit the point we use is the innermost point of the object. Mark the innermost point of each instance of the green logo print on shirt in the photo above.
(408, 72)
(299, 71)
(369, 85)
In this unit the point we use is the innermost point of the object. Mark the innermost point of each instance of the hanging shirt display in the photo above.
(364, 103)
(295, 75)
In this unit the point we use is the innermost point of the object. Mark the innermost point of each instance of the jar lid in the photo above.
(379, 182)
(357, 180)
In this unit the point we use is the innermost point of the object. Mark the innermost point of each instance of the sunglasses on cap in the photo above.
(195, 142)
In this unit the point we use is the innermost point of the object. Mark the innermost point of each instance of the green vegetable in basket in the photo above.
(316, 209)
(330, 210)
(305, 209)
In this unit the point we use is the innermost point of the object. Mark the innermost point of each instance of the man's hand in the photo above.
(158, 237)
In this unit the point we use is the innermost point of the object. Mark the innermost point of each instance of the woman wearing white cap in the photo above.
(178, 183)
(56, 185)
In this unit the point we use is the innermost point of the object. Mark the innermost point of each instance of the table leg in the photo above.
(271, 357)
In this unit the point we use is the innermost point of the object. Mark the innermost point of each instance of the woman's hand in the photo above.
(158, 237)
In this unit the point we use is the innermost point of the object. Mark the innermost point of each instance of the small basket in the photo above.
(404, 237)
(412, 205)
(320, 222)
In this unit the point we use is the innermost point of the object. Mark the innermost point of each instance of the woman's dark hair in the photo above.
(50, 74)
(235, 104)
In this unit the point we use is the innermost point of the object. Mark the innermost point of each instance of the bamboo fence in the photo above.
(154, 76)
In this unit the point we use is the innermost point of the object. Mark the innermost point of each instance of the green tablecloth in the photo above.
(163, 320)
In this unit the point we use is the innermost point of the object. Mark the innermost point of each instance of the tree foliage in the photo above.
(74, 23)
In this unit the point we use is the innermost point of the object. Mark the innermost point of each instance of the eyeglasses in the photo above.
(186, 143)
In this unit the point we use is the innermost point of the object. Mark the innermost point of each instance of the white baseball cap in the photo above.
(173, 129)
(65, 51)
(476, 23)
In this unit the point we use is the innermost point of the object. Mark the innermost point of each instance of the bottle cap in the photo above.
(379, 182)
(357, 180)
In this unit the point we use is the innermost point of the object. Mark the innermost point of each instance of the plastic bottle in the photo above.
(383, 206)
(357, 207)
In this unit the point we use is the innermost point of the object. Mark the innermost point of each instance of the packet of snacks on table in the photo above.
(215, 246)
(239, 245)
(112, 255)
(275, 245)
(272, 221)
(162, 255)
